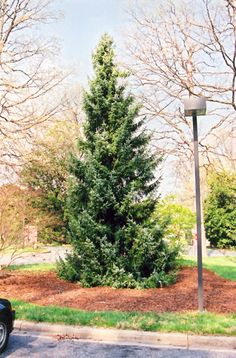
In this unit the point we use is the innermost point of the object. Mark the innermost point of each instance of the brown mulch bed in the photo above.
(46, 289)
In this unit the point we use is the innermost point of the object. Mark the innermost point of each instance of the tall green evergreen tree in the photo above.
(113, 190)
(220, 210)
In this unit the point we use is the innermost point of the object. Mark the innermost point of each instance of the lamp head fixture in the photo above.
(194, 106)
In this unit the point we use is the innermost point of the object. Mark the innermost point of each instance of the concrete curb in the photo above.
(129, 336)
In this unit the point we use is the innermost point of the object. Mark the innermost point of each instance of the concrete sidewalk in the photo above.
(182, 340)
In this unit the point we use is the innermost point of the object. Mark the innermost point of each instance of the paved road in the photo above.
(23, 345)
(49, 255)
(192, 251)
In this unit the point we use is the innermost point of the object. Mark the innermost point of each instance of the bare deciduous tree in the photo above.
(186, 47)
(28, 76)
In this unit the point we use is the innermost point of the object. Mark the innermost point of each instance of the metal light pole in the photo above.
(194, 106)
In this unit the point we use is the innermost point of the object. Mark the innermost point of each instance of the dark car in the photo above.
(7, 316)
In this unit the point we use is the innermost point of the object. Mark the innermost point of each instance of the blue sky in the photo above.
(79, 33)
(83, 24)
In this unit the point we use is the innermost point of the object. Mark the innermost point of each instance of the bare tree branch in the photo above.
(29, 79)
(181, 48)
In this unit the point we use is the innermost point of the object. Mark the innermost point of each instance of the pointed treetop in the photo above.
(103, 55)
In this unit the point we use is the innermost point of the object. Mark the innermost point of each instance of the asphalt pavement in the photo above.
(181, 340)
(49, 254)
(28, 344)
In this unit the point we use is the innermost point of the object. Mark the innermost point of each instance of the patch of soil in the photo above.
(46, 289)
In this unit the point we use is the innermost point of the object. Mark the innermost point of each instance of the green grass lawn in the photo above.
(196, 323)
(33, 267)
(224, 266)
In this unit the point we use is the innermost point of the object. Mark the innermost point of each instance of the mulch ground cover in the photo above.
(45, 288)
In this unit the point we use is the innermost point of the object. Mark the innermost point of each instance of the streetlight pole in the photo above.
(198, 213)
(192, 107)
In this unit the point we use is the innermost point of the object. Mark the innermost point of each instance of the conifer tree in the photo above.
(220, 209)
(113, 190)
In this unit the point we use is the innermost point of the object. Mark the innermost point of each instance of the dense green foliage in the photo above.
(220, 210)
(45, 175)
(178, 221)
(113, 190)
